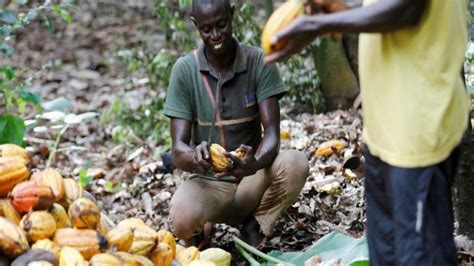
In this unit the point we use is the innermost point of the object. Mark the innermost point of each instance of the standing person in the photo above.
(415, 110)
(223, 92)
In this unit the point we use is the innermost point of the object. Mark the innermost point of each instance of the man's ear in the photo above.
(193, 20)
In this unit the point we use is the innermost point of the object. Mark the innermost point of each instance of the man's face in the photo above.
(214, 23)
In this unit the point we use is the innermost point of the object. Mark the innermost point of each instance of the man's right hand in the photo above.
(202, 157)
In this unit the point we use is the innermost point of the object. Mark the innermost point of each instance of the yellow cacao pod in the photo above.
(130, 259)
(329, 147)
(179, 248)
(53, 179)
(120, 238)
(218, 256)
(13, 150)
(201, 262)
(72, 191)
(187, 255)
(47, 245)
(59, 215)
(130, 223)
(168, 238)
(105, 259)
(219, 161)
(38, 225)
(71, 256)
(278, 20)
(162, 255)
(13, 241)
(144, 237)
(12, 172)
(9, 212)
(84, 214)
(87, 241)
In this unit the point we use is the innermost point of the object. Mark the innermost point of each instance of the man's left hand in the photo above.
(242, 167)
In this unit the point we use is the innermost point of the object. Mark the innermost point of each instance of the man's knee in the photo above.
(295, 163)
(183, 221)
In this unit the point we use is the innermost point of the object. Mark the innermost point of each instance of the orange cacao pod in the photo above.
(60, 215)
(12, 172)
(220, 162)
(162, 255)
(13, 241)
(52, 178)
(31, 195)
(168, 238)
(84, 214)
(9, 212)
(38, 225)
(87, 241)
(327, 148)
(278, 20)
(13, 150)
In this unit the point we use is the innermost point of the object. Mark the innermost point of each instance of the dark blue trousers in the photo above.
(409, 213)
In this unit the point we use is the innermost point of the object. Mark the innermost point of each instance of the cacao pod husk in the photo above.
(9, 212)
(60, 215)
(87, 241)
(12, 172)
(53, 179)
(71, 256)
(187, 255)
(47, 244)
(120, 238)
(162, 255)
(31, 195)
(13, 241)
(84, 214)
(219, 161)
(329, 147)
(105, 259)
(278, 20)
(36, 257)
(38, 225)
(167, 237)
(13, 150)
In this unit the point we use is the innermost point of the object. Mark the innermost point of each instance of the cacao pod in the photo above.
(31, 195)
(9, 212)
(47, 245)
(329, 147)
(87, 241)
(187, 255)
(13, 241)
(130, 223)
(130, 259)
(38, 225)
(201, 262)
(72, 191)
(219, 161)
(168, 238)
(13, 150)
(105, 259)
(120, 238)
(12, 172)
(144, 237)
(60, 216)
(84, 214)
(179, 248)
(53, 179)
(36, 257)
(219, 256)
(71, 256)
(278, 20)
(162, 255)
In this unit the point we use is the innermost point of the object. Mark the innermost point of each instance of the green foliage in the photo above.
(12, 129)
(84, 179)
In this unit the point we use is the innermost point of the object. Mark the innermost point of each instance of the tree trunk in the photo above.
(339, 82)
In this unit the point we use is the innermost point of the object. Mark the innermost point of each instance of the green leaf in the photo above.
(84, 180)
(49, 24)
(8, 72)
(64, 14)
(29, 97)
(7, 17)
(12, 129)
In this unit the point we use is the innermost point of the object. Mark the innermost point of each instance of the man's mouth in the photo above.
(218, 46)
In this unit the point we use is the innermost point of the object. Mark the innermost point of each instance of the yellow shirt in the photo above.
(414, 102)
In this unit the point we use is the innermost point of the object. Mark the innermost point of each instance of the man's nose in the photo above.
(215, 34)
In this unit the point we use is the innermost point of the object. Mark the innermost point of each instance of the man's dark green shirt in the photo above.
(237, 119)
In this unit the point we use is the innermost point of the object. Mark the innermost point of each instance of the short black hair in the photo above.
(197, 3)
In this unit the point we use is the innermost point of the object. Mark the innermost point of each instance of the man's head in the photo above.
(213, 19)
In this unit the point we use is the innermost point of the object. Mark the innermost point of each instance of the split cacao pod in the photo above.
(60, 215)
(9, 212)
(71, 256)
(52, 178)
(84, 214)
(120, 238)
(167, 237)
(12, 172)
(329, 147)
(105, 259)
(38, 257)
(130, 259)
(219, 161)
(47, 245)
(13, 150)
(278, 20)
(38, 225)
(31, 195)
(13, 241)
(187, 255)
(87, 241)
(162, 255)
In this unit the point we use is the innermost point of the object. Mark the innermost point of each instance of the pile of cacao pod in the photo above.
(50, 220)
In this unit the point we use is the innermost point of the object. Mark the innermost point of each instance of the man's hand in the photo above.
(202, 157)
(242, 167)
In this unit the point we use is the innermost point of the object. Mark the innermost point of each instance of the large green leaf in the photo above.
(12, 129)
